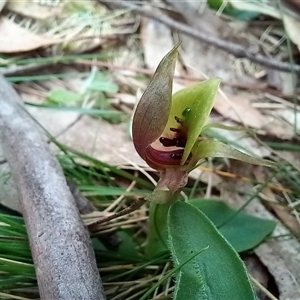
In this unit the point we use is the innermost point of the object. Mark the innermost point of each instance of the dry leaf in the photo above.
(280, 256)
(33, 9)
(155, 36)
(282, 81)
(102, 140)
(289, 116)
(239, 109)
(206, 177)
(283, 213)
(201, 58)
(292, 26)
(15, 39)
(53, 120)
(241, 141)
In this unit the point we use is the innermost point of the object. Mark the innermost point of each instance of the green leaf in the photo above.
(98, 81)
(152, 112)
(11, 226)
(212, 148)
(102, 83)
(16, 267)
(128, 247)
(62, 96)
(218, 272)
(193, 105)
(231, 11)
(243, 232)
(14, 282)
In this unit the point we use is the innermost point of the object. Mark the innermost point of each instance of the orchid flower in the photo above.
(166, 129)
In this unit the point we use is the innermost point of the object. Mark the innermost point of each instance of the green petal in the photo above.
(193, 105)
(152, 112)
(211, 148)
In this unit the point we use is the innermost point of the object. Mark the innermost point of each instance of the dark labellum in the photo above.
(177, 154)
(176, 142)
(164, 158)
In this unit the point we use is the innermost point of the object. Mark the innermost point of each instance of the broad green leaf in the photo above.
(152, 112)
(218, 272)
(243, 232)
(212, 148)
(193, 105)
(169, 274)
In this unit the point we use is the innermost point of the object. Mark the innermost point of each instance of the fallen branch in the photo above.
(230, 47)
(64, 260)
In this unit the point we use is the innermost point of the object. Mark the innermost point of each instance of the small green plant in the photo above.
(168, 134)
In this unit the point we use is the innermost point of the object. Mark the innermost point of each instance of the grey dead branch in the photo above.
(47, 203)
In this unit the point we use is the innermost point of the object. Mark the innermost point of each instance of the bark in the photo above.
(64, 259)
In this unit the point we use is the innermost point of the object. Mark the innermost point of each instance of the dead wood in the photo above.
(63, 257)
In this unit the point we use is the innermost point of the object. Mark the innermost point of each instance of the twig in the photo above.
(64, 260)
(26, 69)
(32, 69)
(136, 205)
(262, 288)
(230, 47)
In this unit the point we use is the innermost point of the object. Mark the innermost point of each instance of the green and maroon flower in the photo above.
(167, 129)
